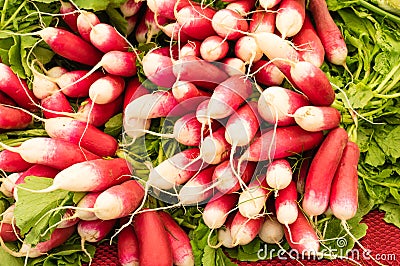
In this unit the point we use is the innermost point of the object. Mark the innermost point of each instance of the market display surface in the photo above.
(177, 132)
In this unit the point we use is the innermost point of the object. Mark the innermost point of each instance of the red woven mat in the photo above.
(382, 239)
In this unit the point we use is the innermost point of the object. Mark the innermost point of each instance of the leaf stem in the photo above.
(13, 15)
(3, 12)
(379, 11)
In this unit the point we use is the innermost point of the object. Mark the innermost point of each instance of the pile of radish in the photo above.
(264, 153)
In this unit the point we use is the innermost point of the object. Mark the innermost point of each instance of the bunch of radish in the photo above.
(248, 99)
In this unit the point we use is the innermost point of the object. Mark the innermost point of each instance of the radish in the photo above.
(266, 73)
(279, 174)
(106, 38)
(217, 209)
(56, 105)
(233, 66)
(244, 230)
(268, 4)
(13, 162)
(37, 170)
(229, 24)
(301, 172)
(290, 17)
(43, 87)
(191, 48)
(55, 153)
(4, 99)
(17, 89)
(82, 134)
(8, 232)
(8, 185)
(76, 83)
(344, 195)
(271, 231)
(85, 22)
(69, 15)
(322, 171)
(186, 91)
(313, 82)
(243, 125)
(179, 241)
(96, 230)
(157, 66)
(119, 63)
(196, 21)
(131, 24)
(176, 170)
(68, 219)
(135, 127)
(281, 143)
(228, 96)
(198, 189)
(141, 32)
(277, 105)
(166, 8)
(309, 44)
(173, 30)
(247, 50)
(317, 118)
(133, 90)
(224, 233)
(130, 8)
(243, 7)
(214, 148)
(227, 181)
(286, 204)
(213, 48)
(128, 247)
(201, 112)
(106, 89)
(98, 114)
(155, 248)
(329, 33)
(87, 202)
(301, 236)
(153, 24)
(253, 199)
(70, 46)
(262, 21)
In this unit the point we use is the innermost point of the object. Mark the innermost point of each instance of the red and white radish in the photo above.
(271, 231)
(279, 174)
(233, 66)
(96, 230)
(213, 48)
(252, 199)
(229, 24)
(128, 246)
(267, 73)
(106, 89)
(262, 21)
(286, 204)
(214, 148)
(317, 118)
(98, 114)
(13, 162)
(244, 230)
(130, 8)
(106, 38)
(247, 49)
(217, 209)
(196, 21)
(290, 17)
(85, 22)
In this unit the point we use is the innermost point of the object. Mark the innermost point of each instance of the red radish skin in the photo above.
(184, 91)
(12, 162)
(82, 134)
(213, 48)
(217, 209)
(106, 89)
(214, 148)
(300, 173)
(290, 17)
(17, 89)
(55, 153)
(119, 200)
(243, 7)
(96, 230)
(313, 82)
(57, 238)
(98, 114)
(279, 174)
(344, 192)
(133, 90)
(8, 232)
(271, 231)
(309, 45)
(42, 87)
(166, 8)
(243, 125)
(247, 49)
(252, 199)
(287, 141)
(197, 189)
(179, 241)
(262, 21)
(4, 99)
(56, 105)
(267, 73)
(268, 4)
(176, 170)
(173, 30)
(286, 204)
(128, 246)
(37, 170)
(317, 118)
(233, 66)
(196, 21)
(186, 69)
(157, 66)
(191, 48)
(329, 33)
(69, 15)
(72, 84)
(227, 181)
(99, 174)
(244, 230)
(119, 63)
(130, 8)
(87, 201)
(229, 24)
(85, 22)
(277, 105)
(155, 248)
(321, 172)
(70, 46)
(301, 236)
(228, 96)
(106, 38)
